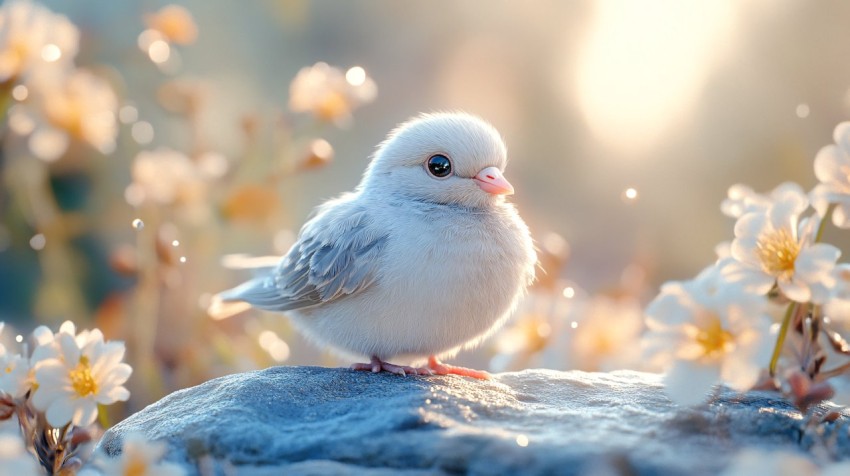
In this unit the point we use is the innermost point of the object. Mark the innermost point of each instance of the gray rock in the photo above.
(307, 420)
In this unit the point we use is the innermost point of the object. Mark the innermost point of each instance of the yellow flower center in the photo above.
(714, 339)
(82, 380)
(778, 252)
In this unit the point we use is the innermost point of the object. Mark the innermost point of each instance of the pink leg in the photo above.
(376, 365)
(440, 368)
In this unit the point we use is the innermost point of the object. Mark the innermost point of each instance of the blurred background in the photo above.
(150, 160)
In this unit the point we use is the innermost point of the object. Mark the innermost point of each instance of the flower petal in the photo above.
(740, 373)
(841, 135)
(108, 356)
(750, 279)
(820, 197)
(117, 375)
(827, 164)
(816, 262)
(751, 224)
(86, 412)
(785, 212)
(116, 394)
(687, 382)
(841, 216)
(60, 412)
(667, 310)
(744, 249)
(795, 290)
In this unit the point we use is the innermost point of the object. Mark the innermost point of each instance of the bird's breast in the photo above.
(454, 276)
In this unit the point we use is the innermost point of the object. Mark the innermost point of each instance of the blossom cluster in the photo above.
(54, 387)
(773, 310)
(55, 102)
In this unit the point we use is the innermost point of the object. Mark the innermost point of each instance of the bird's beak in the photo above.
(492, 181)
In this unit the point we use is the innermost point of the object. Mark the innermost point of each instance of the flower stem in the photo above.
(823, 221)
(780, 339)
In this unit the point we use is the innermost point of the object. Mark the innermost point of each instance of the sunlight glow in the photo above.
(644, 63)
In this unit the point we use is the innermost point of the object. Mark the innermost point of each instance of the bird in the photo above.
(424, 258)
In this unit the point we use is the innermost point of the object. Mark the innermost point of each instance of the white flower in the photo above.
(741, 199)
(14, 375)
(72, 384)
(139, 457)
(774, 247)
(832, 168)
(33, 37)
(47, 345)
(78, 106)
(165, 176)
(707, 331)
(15, 460)
(329, 93)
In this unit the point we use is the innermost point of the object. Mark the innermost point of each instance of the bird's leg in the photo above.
(376, 365)
(440, 368)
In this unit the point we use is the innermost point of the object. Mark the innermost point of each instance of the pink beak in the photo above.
(492, 181)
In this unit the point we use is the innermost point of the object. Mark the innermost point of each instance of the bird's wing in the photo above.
(336, 255)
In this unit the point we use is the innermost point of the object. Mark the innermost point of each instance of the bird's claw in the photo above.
(440, 368)
(435, 367)
(377, 365)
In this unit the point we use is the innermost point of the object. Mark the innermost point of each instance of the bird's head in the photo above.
(448, 158)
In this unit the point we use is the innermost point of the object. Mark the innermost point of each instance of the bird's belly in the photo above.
(423, 304)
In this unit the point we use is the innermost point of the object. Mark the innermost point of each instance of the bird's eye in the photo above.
(439, 166)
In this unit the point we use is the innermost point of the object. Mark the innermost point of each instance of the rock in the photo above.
(307, 420)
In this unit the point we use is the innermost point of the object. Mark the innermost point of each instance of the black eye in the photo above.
(439, 166)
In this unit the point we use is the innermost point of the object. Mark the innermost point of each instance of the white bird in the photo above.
(424, 258)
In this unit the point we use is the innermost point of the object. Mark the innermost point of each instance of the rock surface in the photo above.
(307, 420)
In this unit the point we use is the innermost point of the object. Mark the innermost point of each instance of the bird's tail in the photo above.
(230, 303)
(220, 308)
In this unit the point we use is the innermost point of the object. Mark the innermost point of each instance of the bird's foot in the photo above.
(440, 368)
(376, 365)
